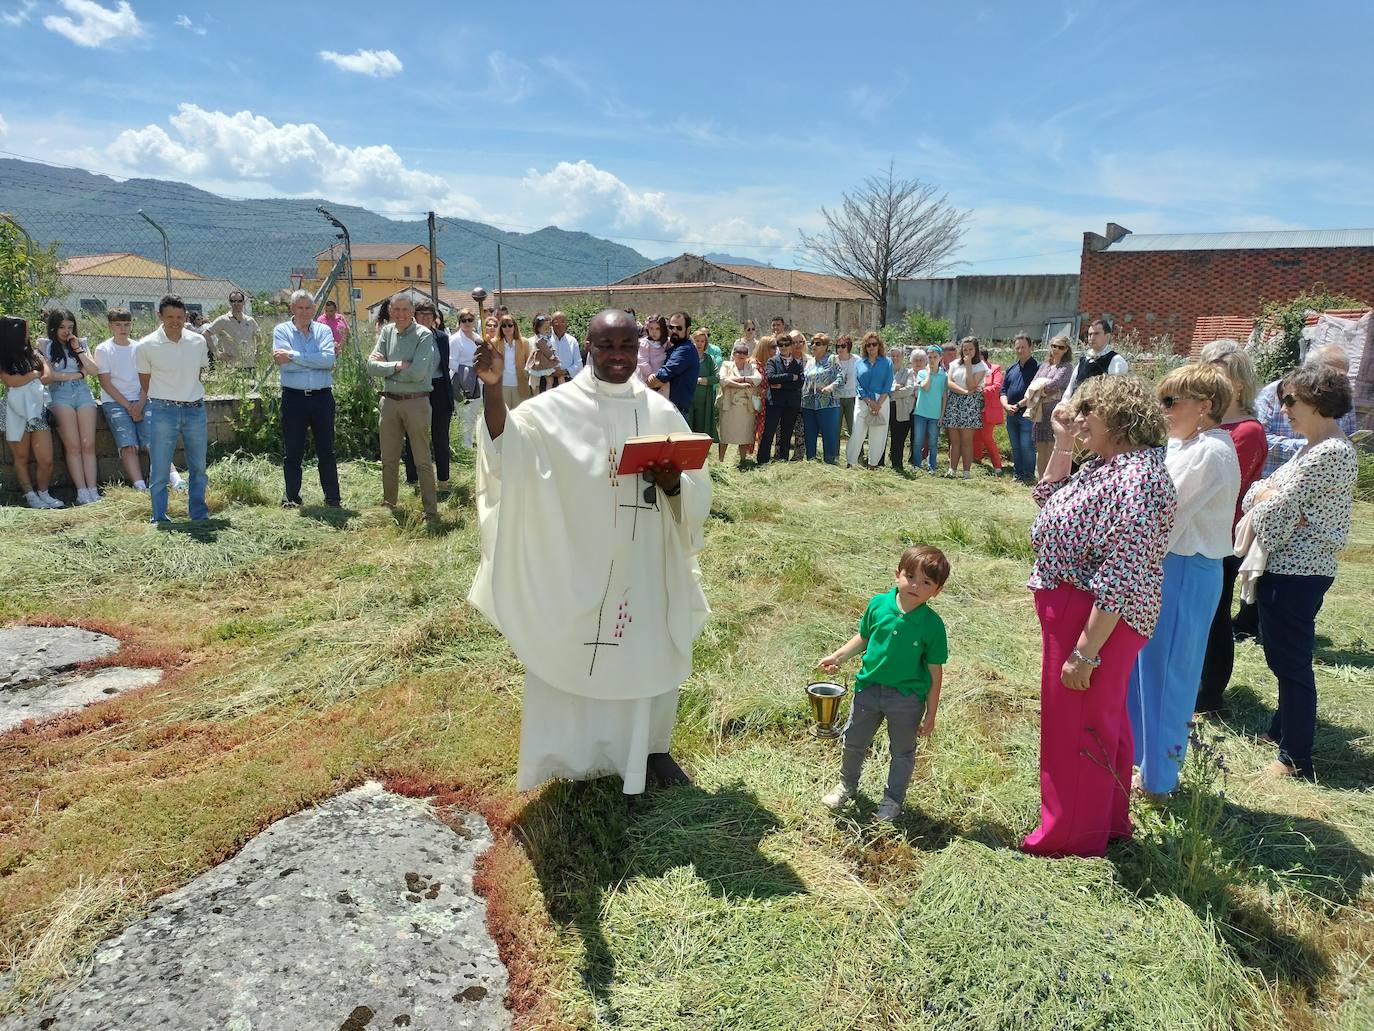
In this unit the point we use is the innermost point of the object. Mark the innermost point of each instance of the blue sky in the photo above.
(721, 127)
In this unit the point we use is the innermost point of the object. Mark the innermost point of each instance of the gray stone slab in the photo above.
(56, 696)
(358, 913)
(29, 653)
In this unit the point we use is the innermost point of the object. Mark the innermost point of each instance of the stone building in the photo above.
(808, 301)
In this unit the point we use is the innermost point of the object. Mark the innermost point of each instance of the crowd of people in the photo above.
(1155, 501)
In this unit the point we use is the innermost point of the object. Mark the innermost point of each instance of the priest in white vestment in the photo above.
(591, 576)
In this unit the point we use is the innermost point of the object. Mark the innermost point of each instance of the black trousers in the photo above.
(313, 411)
(440, 416)
(1220, 659)
(779, 423)
(897, 433)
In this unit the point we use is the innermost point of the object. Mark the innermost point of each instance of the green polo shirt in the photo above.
(415, 345)
(902, 646)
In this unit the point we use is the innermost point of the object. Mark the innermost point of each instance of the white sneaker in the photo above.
(968, 474)
(87, 496)
(838, 796)
(49, 501)
(888, 811)
(950, 473)
(34, 501)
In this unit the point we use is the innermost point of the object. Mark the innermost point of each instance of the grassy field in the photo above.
(307, 651)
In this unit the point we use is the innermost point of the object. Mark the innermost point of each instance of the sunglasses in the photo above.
(1086, 408)
(1287, 401)
(467, 318)
(1168, 400)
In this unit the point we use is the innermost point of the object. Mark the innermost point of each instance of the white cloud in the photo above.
(582, 196)
(98, 25)
(186, 23)
(377, 63)
(20, 14)
(292, 159)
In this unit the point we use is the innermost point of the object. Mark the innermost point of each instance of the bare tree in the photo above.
(888, 229)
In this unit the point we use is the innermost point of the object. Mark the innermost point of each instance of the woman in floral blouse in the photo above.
(1099, 544)
(820, 407)
(1301, 517)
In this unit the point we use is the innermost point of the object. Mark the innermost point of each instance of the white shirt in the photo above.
(569, 353)
(508, 373)
(849, 385)
(963, 375)
(1206, 475)
(462, 350)
(120, 363)
(174, 366)
(1118, 366)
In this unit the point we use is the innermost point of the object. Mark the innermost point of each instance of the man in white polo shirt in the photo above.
(169, 363)
(565, 345)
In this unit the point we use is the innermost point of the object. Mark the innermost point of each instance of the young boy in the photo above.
(121, 398)
(905, 649)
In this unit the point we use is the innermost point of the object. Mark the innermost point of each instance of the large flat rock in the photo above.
(358, 913)
(29, 653)
(56, 696)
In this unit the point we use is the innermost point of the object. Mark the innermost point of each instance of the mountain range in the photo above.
(258, 243)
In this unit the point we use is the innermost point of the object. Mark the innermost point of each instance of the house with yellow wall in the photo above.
(379, 270)
(92, 284)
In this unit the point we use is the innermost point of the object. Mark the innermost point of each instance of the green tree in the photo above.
(917, 327)
(27, 278)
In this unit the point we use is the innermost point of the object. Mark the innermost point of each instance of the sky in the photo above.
(721, 126)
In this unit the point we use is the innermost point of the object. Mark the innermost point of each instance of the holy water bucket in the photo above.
(825, 697)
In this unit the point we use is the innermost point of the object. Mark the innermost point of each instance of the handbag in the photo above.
(465, 382)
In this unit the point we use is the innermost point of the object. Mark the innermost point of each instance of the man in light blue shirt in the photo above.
(304, 351)
(1283, 442)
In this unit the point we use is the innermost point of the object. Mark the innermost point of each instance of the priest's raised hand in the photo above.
(605, 632)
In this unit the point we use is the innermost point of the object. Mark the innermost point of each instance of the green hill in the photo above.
(258, 242)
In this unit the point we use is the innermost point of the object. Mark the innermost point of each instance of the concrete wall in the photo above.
(219, 415)
(988, 307)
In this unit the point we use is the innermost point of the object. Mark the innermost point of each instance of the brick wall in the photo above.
(1158, 292)
(219, 416)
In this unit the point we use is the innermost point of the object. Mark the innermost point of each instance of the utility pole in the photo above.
(433, 260)
(500, 300)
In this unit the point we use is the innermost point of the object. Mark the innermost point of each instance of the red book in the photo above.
(686, 450)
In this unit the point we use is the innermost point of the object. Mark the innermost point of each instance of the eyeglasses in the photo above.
(467, 318)
(1287, 401)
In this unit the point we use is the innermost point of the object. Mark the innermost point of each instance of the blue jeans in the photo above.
(188, 423)
(924, 431)
(1288, 607)
(1021, 430)
(826, 422)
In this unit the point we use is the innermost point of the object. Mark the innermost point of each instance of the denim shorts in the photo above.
(126, 432)
(73, 393)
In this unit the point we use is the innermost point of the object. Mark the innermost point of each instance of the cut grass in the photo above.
(315, 648)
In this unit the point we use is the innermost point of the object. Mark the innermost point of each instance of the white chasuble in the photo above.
(591, 577)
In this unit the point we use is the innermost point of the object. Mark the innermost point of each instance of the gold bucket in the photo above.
(825, 697)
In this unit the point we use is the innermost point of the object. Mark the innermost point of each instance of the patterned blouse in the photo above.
(1318, 486)
(821, 374)
(1105, 530)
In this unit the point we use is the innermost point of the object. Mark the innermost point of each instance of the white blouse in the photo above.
(1307, 519)
(963, 375)
(1206, 475)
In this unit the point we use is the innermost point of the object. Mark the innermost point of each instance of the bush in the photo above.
(1280, 329)
(258, 427)
(917, 327)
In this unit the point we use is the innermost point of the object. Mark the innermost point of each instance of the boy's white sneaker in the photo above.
(838, 796)
(49, 501)
(888, 811)
(34, 501)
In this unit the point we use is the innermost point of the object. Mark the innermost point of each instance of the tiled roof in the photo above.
(1269, 240)
(1220, 327)
(795, 281)
(372, 251)
(616, 288)
(78, 263)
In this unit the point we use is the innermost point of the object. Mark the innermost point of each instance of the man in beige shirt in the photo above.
(169, 361)
(234, 336)
(404, 360)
